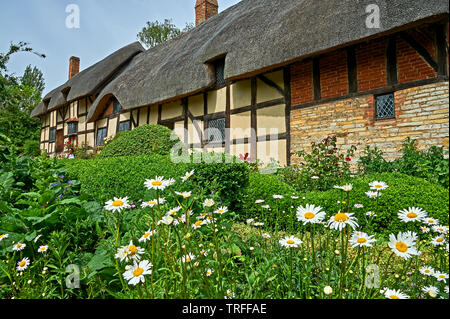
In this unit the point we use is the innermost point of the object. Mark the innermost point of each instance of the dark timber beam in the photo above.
(271, 84)
(391, 61)
(352, 70)
(441, 46)
(420, 50)
(316, 79)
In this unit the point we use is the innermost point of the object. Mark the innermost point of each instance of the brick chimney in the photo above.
(205, 9)
(74, 66)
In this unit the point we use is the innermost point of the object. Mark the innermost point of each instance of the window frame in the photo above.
(123, 122)
(50, 138)
(219, 65)
(208, 138)
(377, 118)
(97, 137)
(75, 132)
(115, 104)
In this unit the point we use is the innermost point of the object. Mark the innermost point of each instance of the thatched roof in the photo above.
(88, 81)
(255, 35)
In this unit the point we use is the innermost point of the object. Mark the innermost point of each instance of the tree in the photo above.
(18, 97)
(155, 33)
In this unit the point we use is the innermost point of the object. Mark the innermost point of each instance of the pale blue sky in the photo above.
(105, 26)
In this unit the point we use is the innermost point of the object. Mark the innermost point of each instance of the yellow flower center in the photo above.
(430, 221)
(156, 183)
(2, 235)
(132, 250)
(442, 276)
(198, 223)
(427, 271)
(394, 297)
(412, 215)
(22, 263)
(402, 247)
(151, 203)
(138, 271)
(146, 235)
(290, 242)
(188, 259)
(42, 248)
(361, 240)
(440, 240)
(309, 215)
(341, 217)
(18, 245)
(117, 203)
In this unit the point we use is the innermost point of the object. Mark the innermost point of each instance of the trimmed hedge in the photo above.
(143, 140)
(104, 178)
(404, 191)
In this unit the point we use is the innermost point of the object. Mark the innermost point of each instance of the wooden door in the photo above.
(59, 141)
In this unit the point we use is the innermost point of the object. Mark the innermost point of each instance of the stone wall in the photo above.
(422, 113)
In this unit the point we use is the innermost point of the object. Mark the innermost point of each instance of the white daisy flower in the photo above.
(379, 186)
(431, 221)
(359, 206)
(136, 273)
(310, 214)
(259, 224)
(259, 201)
(198, 224)
(346, 188)
(295, 197)
(173, 211)
(412, 214)
(129, 252)
(360, 239)
(427, 271)
(341, 220)
(440, 276)
(187, 175)
(146, 237)
(229, 294)
(440, 229)
(278, 196)
(209, 202)
(117, 204)
(315, 177)
(153, 203)
(425, 230)
(37, 238)
(438, 241)
(395, 294)
(404, 244)
(180, 220)
(208, 272)
(371, 214)
(265, 206)
(290, 242)
(166, 220)
(431, 291)
(250, 221)
(204, 252)
(221, 210)
(3, 236)
(266, 236)
(19, 247)
(373, 195)
(158, 183)
(43, 249)
(170, 182)
(188, 258)
(184, 194)
(23, 264)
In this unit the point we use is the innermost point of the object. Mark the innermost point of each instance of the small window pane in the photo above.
(124, 126)
(101, 135)
(52, 137)
(217, 130)
(385, 106)
(72, 128)
(117, 107)
(220, 71)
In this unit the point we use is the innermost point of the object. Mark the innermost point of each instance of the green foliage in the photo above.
(105, 178)
(320, 169)
(32, 148)
(155, 33)
(143, 140)
(432, 165)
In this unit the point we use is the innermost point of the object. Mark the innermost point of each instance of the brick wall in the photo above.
(333, 74)
(302, 83)
(422, 113)
(371, 65)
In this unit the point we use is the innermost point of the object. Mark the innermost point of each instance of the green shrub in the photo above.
(32, 148)
(143, 140)
(404, 191)
(104, 178)
(433, 164)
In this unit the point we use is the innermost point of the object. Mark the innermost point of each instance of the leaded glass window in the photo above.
(385, 107)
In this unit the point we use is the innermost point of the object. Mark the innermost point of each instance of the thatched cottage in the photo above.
(279, 73)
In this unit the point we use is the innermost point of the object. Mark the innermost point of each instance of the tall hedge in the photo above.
(144, 140)
(104, 178)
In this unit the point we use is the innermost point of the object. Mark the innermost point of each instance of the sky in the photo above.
(104, 27)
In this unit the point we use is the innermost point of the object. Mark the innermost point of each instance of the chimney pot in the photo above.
(205, 9)
(74, 66)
